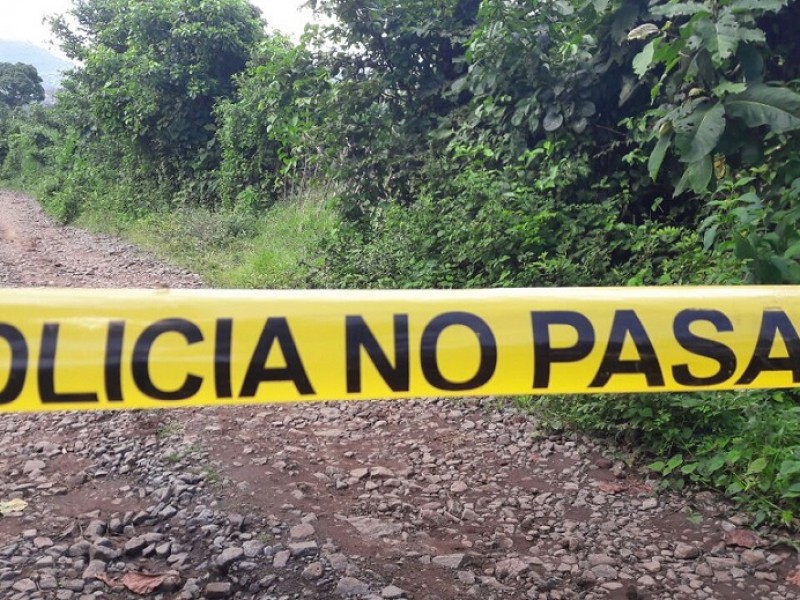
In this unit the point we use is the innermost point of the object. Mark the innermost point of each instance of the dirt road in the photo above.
(420, 500)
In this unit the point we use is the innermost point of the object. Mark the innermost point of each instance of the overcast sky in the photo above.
(22, 19)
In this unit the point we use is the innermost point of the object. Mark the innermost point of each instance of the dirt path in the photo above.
(420, 500)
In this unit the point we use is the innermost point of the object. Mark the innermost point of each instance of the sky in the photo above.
(22, 20)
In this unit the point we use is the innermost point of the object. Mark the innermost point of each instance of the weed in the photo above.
(169, 429)
(212, 475)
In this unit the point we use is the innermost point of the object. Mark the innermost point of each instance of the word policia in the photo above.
(364, 348)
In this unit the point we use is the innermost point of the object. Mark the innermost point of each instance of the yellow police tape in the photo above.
(113, 349)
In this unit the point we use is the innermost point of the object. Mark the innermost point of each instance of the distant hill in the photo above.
(49, 65)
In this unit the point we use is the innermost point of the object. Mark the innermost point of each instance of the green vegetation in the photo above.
(455, 144)
(20, 84)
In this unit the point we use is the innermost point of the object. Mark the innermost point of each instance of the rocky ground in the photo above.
(414, 499)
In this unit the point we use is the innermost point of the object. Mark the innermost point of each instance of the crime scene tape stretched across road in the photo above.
(123, 349)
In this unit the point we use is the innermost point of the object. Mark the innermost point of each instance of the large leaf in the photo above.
(644, 59)
(696, 177)
(710, 127)
(776, 107)
(761, 5)
(553, 120)
(657, 156)
(679, 9)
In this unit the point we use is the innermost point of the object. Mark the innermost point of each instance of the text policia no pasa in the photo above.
(629, 351)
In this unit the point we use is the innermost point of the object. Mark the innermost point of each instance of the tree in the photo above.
(153, 70)
(20, 84)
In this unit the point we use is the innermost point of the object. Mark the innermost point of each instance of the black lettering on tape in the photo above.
(47, 367)
(544, 355)
(276, 329)
(18, 368)
(141, 359)
(429, 355)
(702, 346)
(358, 336)
(774, 322)
(626, 322)
(222, 358)
(113, 360)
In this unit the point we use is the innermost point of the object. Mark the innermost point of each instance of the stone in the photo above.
(451, 561)
(313, 570)
(304, 530)
(605, 571)
(25, 586)
(74, 585)
(510, 568)
(218, 589)
(47, 582)
(350, 586)
(301, 549)
(103, 553)
(95, 529)
(646, 581)
(685, 551)
(229, 556)
(95, 567)
(459, 487)
(372, 527)
(650, 503)
(359, 473)
(252, 548)
(600, 559)
(33, 466)
(338, 562)
(721, 563)
(753, 557)
(392, 592)
(466, 577)
(135, 545)
(380, 473)
(281, 559)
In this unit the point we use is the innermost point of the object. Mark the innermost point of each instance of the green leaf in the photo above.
(792, 492)
(710, 127)
(776, 107)
(760, 5)
(757, 466)
(659, 466)
(675, 461)
(681, 9)
(696, 177)
(657, 156)
(792, 252)
(715, 464)
(789, 467)
(643, 60)
(709, 237)
(553, 120)
(734, 488)
(729, 87)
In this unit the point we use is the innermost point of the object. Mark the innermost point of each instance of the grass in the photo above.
(272, 249)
